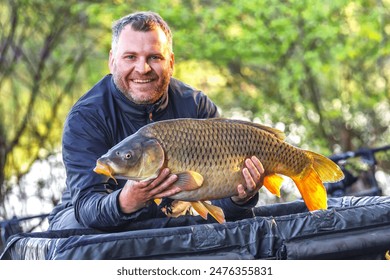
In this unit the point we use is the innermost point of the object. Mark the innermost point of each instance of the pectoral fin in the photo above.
(189, 180)
(273, 182)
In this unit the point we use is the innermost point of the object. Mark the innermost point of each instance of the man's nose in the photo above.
(142, 66)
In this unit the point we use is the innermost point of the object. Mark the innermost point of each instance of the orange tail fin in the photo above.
(327, 170)
(312, 190)
(310, 182)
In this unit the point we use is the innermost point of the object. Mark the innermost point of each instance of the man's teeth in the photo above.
(142, 81)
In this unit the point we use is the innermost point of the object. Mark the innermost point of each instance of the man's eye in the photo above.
(155, 57)
(130, 57)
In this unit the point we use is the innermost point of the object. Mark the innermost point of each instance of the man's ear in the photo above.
(111, 61)
(172, 62)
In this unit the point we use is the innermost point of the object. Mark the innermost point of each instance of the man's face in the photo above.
(142, 64)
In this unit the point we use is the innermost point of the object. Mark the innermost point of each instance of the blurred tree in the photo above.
(319, 67)
(43, 45)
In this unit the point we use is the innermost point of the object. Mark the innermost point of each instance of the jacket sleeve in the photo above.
(96, 206)
(234, 211)
(206, 108)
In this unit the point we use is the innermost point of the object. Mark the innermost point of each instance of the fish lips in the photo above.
(104, 169)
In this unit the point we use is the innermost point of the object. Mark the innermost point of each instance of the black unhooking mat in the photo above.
(351, 228)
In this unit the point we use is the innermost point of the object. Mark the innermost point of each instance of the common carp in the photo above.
(208, 155)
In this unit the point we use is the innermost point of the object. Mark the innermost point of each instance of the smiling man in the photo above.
(141, 63)
(140, 89)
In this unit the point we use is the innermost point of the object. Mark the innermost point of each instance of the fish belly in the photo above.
(216, 185)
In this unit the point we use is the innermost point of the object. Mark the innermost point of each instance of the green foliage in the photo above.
(41, 52)
(321, 65)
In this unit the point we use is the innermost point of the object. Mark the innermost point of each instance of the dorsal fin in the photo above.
(276, 132)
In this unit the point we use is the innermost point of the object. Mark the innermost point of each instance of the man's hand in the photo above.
(136, 195)
(253, 173)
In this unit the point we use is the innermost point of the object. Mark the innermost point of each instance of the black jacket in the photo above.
(99, 120)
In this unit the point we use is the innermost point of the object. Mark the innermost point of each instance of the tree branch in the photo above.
(48, 46)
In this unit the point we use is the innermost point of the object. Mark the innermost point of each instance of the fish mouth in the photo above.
(104, 169)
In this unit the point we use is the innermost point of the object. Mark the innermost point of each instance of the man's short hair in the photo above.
(141, 21)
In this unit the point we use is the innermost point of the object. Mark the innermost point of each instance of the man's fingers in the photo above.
(250, 183)
(151, 184)
(165, 188)
(167, 192)
(255, 168)
(241, 192)
(259, 166)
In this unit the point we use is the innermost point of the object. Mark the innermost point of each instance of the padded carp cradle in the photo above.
(352, 228)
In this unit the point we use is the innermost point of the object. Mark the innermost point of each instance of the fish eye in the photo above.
(128, 156)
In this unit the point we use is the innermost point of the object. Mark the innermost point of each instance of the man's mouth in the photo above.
(140, 81)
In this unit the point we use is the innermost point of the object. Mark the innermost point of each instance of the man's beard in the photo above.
(155, 94)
